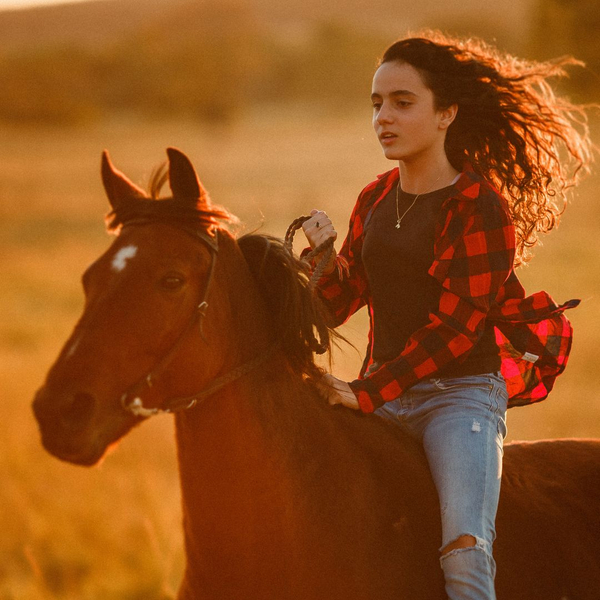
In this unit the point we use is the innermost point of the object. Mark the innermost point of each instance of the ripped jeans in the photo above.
(461, 423)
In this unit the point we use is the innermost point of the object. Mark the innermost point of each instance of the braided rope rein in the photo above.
(326, 248)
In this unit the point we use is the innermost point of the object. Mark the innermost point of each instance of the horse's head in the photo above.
(145, 300)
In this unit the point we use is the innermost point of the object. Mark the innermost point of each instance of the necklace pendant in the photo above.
(397, 224)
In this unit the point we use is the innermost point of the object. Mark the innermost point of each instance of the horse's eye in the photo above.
(172, 281)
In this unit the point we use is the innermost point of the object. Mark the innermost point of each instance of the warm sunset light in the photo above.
(271, 105)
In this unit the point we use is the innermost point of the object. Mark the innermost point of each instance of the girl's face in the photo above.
(404, 115)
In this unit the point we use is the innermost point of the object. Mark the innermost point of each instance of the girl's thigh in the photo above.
(462, 427)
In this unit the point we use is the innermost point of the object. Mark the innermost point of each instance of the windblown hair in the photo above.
(201, 214)
(510, 126)
(300, 321)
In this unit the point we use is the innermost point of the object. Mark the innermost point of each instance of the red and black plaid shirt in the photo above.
(474, 252)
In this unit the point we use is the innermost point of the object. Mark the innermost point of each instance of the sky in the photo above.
(25, 3)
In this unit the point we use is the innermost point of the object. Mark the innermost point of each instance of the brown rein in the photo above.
(131, 400)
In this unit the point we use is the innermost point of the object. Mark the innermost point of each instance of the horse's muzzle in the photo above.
(64, 421)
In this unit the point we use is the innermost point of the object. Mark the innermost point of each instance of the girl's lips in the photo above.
(388, 139)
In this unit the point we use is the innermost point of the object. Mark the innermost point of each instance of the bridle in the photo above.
(131, 400)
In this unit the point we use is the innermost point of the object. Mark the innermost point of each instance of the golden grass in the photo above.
(114, 531)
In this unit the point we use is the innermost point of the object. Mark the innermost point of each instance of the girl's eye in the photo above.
(403, 103)
(172, 281)
(376, 106)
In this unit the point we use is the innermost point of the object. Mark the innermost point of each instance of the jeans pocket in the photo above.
(503, 393)
(471, 381)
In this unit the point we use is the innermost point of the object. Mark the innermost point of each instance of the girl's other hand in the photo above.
(337, 392)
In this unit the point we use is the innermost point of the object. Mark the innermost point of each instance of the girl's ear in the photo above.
(447, 115)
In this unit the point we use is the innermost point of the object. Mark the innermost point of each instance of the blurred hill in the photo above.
(208, 60)
(85, 24)
(213, 59)
(99, 21)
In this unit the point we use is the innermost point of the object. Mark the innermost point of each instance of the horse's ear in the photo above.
(118, 188)
(183, 180)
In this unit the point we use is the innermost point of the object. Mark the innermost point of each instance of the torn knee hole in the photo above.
(464, 541)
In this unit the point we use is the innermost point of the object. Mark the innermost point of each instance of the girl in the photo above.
(431, 250)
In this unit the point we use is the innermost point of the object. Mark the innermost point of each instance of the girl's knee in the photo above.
(464, 541)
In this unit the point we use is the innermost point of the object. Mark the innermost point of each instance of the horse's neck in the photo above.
(240, 501)
(225, 445)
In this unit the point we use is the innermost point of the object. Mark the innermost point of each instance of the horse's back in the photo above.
(548, 525)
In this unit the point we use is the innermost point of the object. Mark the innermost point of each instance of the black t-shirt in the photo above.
(403, 294)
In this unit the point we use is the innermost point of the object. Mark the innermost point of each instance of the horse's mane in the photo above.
(301, 323)
(202, 214)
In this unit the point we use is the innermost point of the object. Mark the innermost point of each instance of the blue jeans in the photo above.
(461, 423)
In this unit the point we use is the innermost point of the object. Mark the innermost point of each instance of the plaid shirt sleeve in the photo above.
(345, 290)
(473, 256)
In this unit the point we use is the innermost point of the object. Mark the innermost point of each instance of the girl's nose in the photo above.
(383, 115)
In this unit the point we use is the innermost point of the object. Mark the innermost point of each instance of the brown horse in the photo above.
(283, 496)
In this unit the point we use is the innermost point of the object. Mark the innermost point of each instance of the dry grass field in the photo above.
(113, 532)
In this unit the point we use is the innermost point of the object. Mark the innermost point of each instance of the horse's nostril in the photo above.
(79, 411)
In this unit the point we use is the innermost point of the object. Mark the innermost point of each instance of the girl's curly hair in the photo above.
(514, 130)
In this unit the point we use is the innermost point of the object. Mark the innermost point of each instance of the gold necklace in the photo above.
(399, 218)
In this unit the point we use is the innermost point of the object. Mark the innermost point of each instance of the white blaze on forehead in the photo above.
(119, 261)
